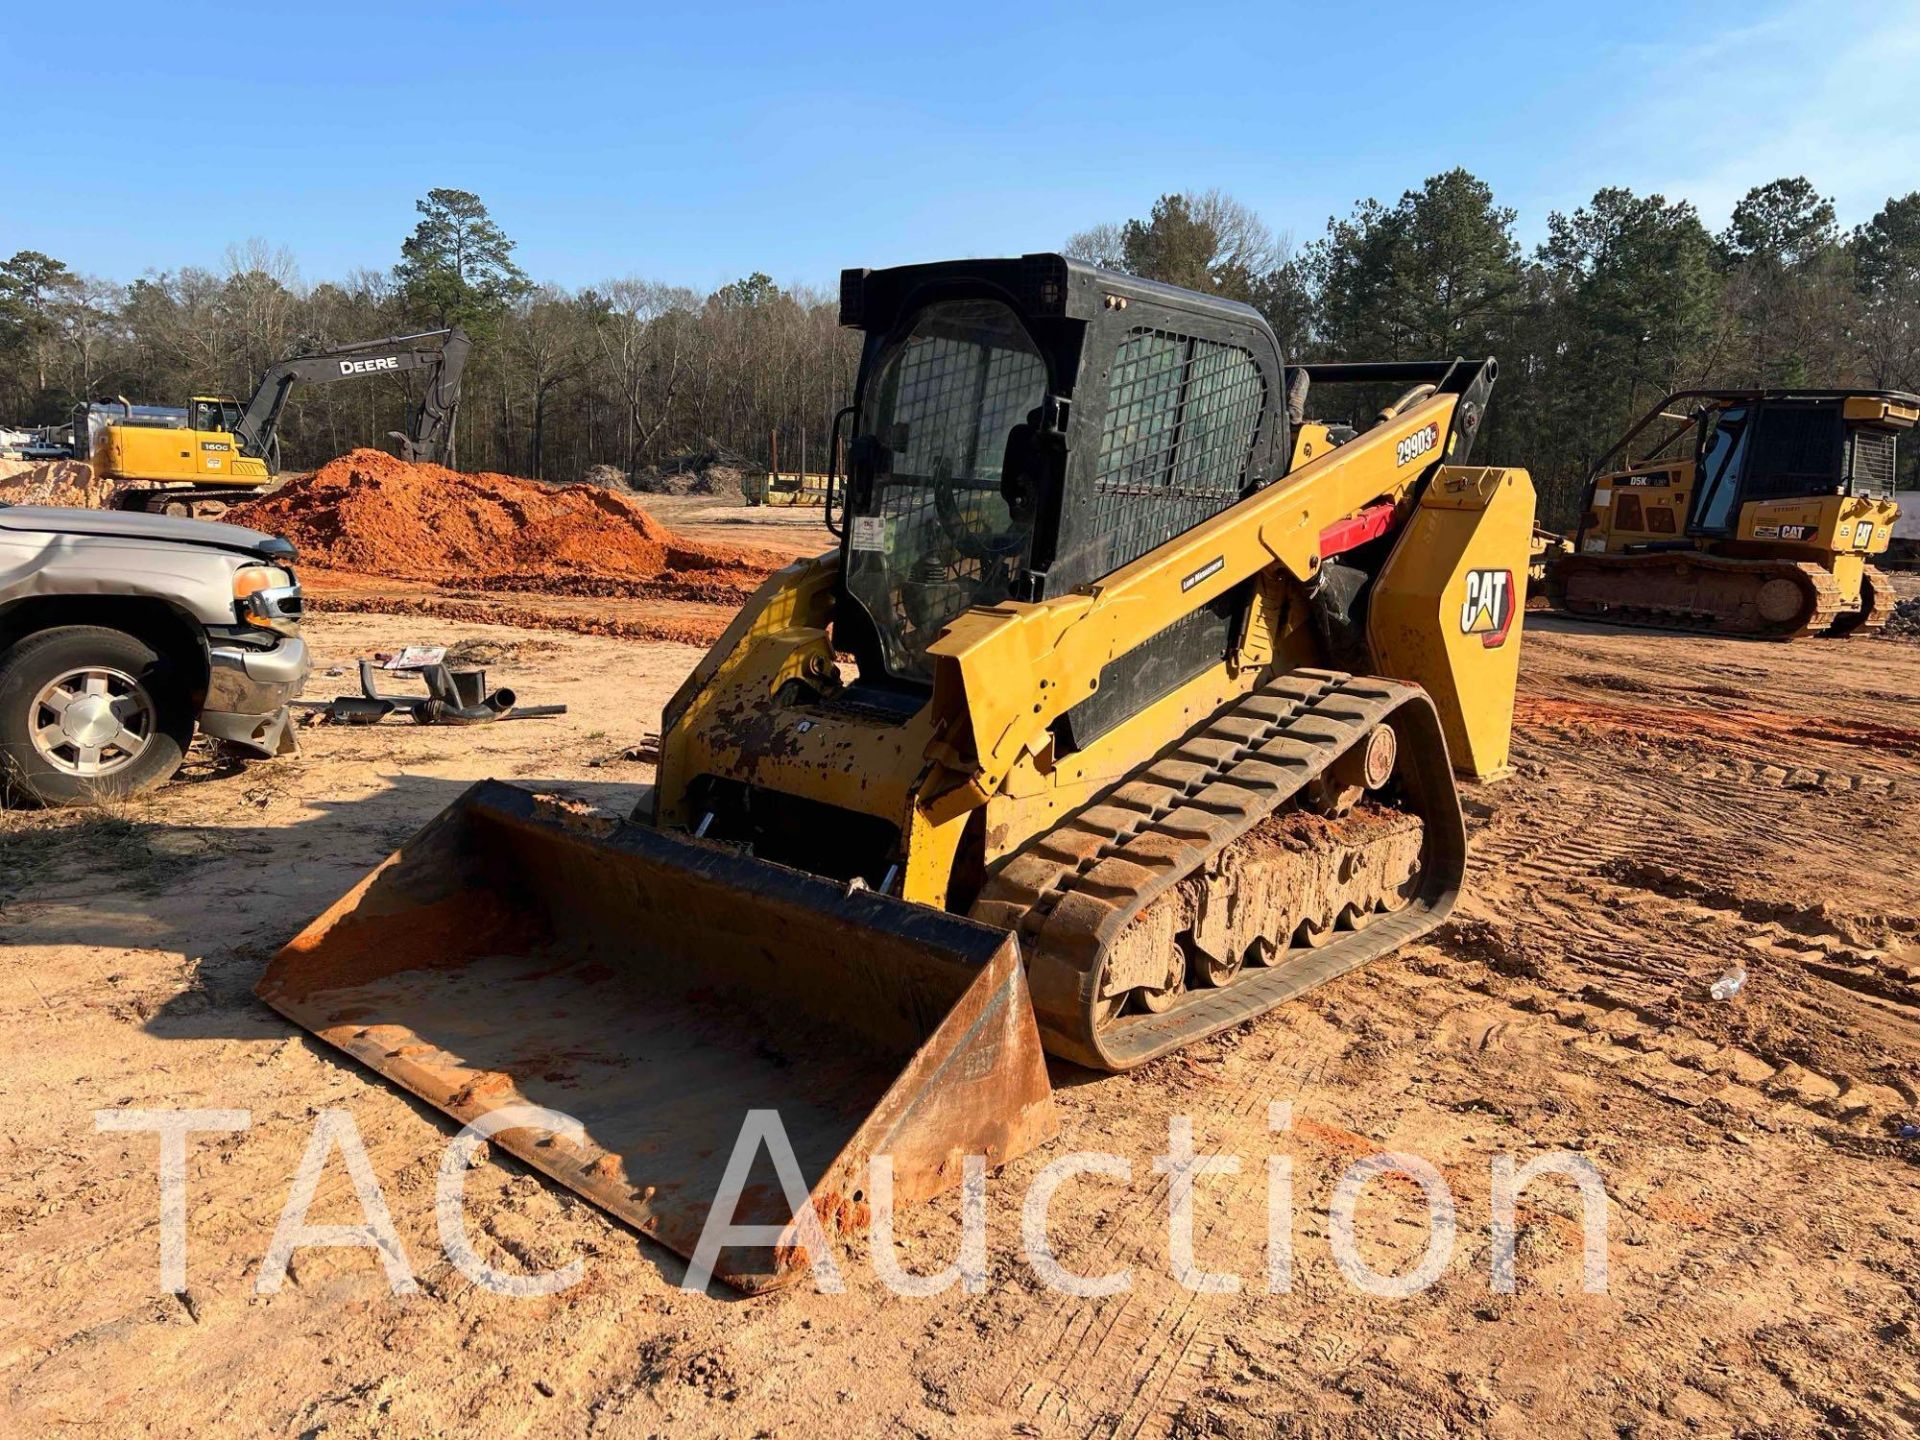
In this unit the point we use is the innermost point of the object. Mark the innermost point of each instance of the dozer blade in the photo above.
(656, 988)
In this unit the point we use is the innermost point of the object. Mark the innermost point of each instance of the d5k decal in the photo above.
(1488, 611)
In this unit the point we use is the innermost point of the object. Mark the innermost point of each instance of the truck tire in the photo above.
(89, 713)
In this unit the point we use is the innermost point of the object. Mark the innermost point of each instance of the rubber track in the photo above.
(1071, 893)
(1829, 615)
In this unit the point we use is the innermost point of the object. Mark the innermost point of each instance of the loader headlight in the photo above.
(267, 596)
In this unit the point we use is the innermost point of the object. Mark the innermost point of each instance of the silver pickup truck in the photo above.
(120, 631)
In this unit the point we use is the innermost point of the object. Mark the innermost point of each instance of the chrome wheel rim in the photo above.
(92, 722)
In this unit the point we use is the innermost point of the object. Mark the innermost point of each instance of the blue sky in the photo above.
(695, 143)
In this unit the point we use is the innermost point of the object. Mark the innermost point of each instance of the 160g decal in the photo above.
(1489, 609)
(1416, 445)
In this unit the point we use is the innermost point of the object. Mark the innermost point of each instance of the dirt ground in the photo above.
(1681, 808)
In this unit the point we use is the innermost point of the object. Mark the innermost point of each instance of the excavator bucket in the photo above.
(657, 988)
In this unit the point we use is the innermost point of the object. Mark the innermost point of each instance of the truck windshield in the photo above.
(938, 523)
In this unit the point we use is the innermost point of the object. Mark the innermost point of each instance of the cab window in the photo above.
(1721, 454)
(215, 414)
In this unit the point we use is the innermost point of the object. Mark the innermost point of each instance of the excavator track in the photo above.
(1242, 848)
(192, 502)
(1714, 595)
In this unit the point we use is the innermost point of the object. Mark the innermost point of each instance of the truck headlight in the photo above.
(267, 596)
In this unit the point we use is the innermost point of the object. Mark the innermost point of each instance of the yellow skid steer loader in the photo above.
(1156, 695)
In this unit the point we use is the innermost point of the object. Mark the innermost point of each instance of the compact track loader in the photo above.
(1128, 706)
(1747, 512)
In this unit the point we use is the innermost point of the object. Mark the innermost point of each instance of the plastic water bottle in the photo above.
(1728, 985)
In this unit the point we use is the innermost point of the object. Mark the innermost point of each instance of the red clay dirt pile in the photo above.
(54, 482)
(370, 513)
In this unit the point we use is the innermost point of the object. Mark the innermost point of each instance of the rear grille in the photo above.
(1870, 464)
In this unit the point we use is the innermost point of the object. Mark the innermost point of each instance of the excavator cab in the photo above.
(215, 413)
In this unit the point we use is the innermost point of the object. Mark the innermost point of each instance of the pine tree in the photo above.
(457, 267)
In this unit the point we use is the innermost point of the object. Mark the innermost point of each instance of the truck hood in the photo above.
(135, 525)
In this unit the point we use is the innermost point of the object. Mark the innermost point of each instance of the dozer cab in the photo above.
(1127, 706)
(1743, 512)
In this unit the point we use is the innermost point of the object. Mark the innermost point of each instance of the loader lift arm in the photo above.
(441, 353)
(1069, 640)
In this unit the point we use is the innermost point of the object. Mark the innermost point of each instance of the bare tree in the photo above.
(1103, 245)
(645, 339)
(261, 296)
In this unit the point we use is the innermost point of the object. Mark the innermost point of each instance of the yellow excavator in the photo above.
(1128, 706)
(199, 459)
(1742, 512)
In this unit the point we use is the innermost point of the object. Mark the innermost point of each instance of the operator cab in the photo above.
(215, 413)
(1791, 447)
(974, 477)
(1723, 451)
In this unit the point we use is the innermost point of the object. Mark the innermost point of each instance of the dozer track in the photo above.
(1876, 605)
(1765, 599)
(1174, 855)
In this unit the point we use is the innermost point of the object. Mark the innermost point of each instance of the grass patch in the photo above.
(107, 842)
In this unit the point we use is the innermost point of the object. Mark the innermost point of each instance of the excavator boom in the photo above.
(441, 353)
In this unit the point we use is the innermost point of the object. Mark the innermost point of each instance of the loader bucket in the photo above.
(656, 988)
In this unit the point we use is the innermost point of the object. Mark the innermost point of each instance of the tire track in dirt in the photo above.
(1645, 1008)
(1141, 1343)
(1629, 867)
(1768, 734)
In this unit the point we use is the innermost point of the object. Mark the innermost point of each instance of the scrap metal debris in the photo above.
(454, 696)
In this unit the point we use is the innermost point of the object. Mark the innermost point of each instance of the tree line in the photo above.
(1628, 297)
(631, 373)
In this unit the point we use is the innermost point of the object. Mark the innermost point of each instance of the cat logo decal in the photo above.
(1489, 608)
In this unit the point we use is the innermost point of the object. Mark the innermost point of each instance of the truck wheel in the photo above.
(88, 713)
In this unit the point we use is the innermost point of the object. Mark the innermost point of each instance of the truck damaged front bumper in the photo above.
(248, 690)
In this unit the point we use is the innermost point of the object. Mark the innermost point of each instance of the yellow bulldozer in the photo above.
(1127, 706)
(1742, 512)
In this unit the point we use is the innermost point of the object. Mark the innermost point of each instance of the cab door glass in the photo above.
(1795, 452)
(1722, 456)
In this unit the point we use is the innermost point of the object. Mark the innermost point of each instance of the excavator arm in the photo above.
(441, 353)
